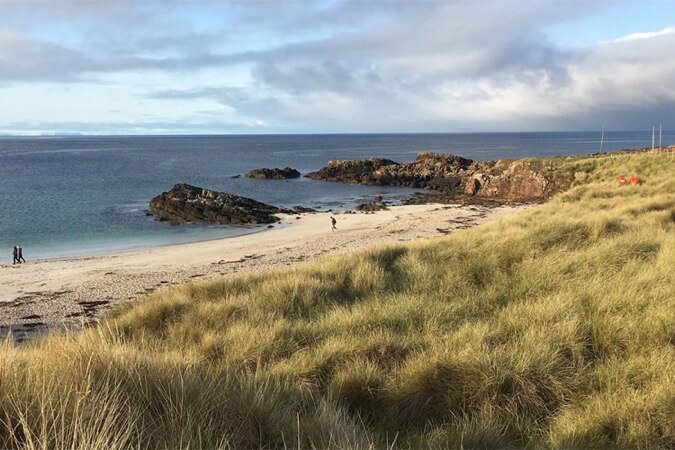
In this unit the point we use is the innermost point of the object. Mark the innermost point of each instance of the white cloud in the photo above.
(647, 35)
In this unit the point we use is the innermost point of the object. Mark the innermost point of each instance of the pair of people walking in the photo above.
(18, 255)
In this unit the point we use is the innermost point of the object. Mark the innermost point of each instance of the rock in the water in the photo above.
(273, 174)
(185, 203)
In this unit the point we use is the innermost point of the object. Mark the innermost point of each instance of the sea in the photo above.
(67, 196)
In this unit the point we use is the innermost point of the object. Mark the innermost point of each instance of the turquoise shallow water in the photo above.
(64, 196)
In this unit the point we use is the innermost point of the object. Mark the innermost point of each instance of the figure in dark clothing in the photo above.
(15, 252)
(20, 258)
(333, 222)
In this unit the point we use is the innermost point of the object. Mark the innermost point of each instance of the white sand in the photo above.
(53, 293)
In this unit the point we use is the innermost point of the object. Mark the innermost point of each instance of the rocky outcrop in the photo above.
(429, 170)
(185, 203)
(373, 171)
(273, 174)
(520, 180)
(299, 209)
(371, 207)
(438, 171)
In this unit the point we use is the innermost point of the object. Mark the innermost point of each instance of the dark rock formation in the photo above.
(429, 170)
(371, 207)
(356, 171)
(273, 174)
(185, 203)
(520, 180)
(303, 209)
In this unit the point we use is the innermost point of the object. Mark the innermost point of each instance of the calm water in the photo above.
(62, 196)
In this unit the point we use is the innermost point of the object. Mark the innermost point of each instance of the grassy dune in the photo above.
(554, 328)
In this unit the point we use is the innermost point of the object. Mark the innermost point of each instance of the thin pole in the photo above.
(660, 135)
(653, 131)
(602, 137)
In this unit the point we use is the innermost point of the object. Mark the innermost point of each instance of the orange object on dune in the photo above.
(621, 181)
(634, 180)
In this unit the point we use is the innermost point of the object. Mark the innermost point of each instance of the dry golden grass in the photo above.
(554, 328)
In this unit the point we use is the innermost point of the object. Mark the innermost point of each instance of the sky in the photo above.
(247, 67)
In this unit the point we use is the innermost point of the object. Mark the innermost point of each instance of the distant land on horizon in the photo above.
(347, 133)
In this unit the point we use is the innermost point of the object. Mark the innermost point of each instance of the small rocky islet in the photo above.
(451, 176)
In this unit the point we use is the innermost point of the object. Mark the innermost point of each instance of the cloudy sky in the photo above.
(129, 67)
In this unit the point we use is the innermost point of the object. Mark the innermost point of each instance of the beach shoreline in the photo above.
(124, 249)
(73, 292)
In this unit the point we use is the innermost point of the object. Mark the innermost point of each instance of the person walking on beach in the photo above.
(15, 252)
(333, 222)
(20, 257)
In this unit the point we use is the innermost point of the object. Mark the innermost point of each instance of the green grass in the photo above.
(553, 328)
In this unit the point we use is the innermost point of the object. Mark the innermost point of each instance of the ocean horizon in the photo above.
(68, 195)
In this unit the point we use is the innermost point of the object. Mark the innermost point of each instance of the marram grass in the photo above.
(553, 328)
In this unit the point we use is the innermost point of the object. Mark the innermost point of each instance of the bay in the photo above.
(81, 195)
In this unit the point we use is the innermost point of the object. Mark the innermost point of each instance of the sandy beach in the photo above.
(71, 293)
